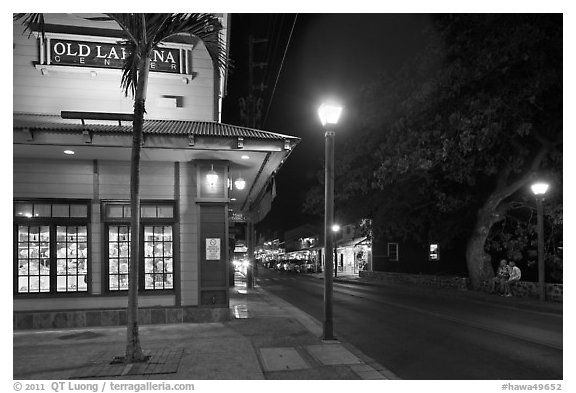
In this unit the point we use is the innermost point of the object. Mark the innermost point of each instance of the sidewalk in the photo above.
(266, 338)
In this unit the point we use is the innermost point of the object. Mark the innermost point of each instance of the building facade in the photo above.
(71, 176)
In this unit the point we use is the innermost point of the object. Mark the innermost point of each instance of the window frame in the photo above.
(107, 222)
(52, 223)
(397, 258)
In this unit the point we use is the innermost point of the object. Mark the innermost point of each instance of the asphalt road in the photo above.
(430, 334)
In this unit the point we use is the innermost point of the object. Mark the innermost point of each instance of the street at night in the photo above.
(420, 333)
(308, 195)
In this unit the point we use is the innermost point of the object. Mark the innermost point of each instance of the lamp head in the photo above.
(539, 188)
(240, 183)
(212, 177)
(329, 114)
(335, 228)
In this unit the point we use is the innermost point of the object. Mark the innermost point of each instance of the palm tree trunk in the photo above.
(133, 349)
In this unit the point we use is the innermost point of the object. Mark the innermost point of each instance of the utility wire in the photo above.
(280, 70)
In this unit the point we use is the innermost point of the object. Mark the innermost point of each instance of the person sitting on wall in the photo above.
(502, 275)
(515, 275)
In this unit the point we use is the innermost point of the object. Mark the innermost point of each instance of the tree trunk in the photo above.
(133, 349)
(478, 261)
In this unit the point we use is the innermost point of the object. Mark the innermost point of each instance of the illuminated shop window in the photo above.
(118, 257)
(434, 252)
(51, 247)
(156, 264)
(33, 259)
(71, 259)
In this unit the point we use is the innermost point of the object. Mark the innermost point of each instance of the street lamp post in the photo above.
(335, 230)
(539, 190)
(329, 115)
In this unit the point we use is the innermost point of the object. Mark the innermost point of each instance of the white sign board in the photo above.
(212, 249)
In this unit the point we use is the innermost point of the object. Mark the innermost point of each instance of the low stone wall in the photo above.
(88, 318)
(426, 280)
(554, 292)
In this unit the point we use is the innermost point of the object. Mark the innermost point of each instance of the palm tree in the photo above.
(143, 33)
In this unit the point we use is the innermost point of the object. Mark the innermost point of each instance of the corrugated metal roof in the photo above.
(151, 127)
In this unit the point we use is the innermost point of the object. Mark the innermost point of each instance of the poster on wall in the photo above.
(212, 249)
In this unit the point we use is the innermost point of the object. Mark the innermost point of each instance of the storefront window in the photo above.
(71, 259)
(118, 256)
(157, 265)
(33, 259)
(52, 247)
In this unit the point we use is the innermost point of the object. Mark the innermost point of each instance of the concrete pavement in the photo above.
(266, 338)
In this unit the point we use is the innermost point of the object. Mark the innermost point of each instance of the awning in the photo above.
(352, 242)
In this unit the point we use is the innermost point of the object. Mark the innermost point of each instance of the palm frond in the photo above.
(205, 27)
(129, 79)
(31, 22)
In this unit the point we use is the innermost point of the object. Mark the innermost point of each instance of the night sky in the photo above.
(328, 56)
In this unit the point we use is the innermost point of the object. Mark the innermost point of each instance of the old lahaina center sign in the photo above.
(108, 55)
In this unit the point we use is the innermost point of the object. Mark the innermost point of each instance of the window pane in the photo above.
(118, 254)
(78, 210)
(23, 210)
(34, 284)
(165, 211)
(42, 210)
(157, 262)
(123, 284)
(23, 284)
(45, 233)
(82, 283)
(60, 210)
(113, 282)
(114, 211)
(61, 284)
(44, 283)
(169, 282)
(71, 253)
(33, 259)
(168, 233)
(148, 211)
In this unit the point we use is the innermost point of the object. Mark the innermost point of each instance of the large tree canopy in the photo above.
(450, 142)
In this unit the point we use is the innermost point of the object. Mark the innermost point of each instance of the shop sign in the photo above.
(212, 249)
(107, 55)
(237, 217)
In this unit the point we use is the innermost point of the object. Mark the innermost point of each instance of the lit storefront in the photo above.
(71, 176)
(354, 255)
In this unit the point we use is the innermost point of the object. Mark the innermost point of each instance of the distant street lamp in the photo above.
(335, 230)
(329, 115)
(539, 190)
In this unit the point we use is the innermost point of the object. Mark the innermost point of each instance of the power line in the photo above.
(280, 70)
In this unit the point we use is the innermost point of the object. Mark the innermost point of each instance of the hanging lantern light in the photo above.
(212, 177)
(240, 183)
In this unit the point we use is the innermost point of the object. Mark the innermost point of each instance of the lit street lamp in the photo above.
(335, 230)
(539, 190)
(329, 115)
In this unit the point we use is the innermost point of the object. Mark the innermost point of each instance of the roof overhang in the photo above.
(47, 136)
